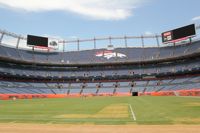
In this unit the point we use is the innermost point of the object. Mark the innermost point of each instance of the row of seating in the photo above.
(96, 73)
(91, 56)
(98, 88)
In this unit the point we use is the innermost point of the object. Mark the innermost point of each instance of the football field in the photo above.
(103, 111)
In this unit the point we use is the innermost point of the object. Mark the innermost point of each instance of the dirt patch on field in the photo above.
(114, 111)
(54, 128)
(196, 104)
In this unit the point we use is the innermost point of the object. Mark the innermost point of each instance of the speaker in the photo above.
(134, 94)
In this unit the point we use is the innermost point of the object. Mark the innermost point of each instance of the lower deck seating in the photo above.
(100, 88)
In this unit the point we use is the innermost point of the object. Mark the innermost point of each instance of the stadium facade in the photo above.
(170, 69)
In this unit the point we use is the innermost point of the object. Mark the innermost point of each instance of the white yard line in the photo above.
(133, 114)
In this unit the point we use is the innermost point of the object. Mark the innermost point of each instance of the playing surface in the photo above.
(103, 111)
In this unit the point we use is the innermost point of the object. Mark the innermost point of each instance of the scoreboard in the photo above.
(179, 34)
(37, 41)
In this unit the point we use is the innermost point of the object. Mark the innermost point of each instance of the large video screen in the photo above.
(37, 41)
(178, 34)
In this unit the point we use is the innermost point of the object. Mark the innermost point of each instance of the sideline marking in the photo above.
(133, 114)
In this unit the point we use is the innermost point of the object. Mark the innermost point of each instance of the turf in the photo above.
(103, 110)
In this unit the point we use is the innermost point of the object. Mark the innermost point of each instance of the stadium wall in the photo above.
(194, 92)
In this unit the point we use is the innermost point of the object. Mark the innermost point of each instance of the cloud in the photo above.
(148, 33)
(53, 37)
(93, 9)
(196, 18)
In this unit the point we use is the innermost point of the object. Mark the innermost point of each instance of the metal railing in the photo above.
(62, 44)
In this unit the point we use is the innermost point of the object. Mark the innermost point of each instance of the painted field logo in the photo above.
(110, 54)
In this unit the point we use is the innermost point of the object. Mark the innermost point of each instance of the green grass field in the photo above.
(103, 110)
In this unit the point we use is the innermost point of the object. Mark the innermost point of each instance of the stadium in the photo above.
(110, 85)
(46, 72)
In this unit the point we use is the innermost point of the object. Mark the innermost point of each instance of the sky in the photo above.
(70, 19)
